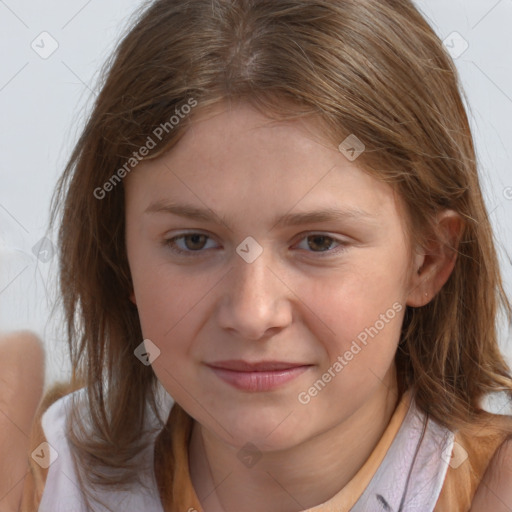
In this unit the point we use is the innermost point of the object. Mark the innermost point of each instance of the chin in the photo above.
(267, 431)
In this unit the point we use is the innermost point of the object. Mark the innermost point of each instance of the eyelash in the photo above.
(171, 244)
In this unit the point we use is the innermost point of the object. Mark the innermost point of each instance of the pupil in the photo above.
(321, 242)
(324, 239)
(196, 239)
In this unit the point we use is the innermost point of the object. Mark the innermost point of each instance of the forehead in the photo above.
(234, 158)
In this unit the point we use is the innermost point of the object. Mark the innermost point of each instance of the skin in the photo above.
(21, 388)
(301, 300)
(495, 492)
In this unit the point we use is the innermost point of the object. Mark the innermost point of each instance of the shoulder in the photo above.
(58, 485)
(495, 490)
(36, 478)
(21, 387)
(475, 457)
(22, 369)
(23, 356)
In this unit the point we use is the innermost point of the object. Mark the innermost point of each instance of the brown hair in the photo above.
(373, 68)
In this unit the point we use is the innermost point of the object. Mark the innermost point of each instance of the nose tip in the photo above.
(258, 335)
(254, 303)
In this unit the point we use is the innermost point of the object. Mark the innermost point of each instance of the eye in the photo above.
(192, 243)
(322, 243)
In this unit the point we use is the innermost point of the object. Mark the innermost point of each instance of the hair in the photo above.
(373, 68)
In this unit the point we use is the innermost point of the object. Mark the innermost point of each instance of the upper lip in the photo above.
(257, 366)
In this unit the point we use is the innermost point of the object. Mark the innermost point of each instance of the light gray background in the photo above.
(43, 102)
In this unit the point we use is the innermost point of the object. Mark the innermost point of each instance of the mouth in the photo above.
(257, 376)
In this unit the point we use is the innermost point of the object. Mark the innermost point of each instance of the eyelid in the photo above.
(167, 242)
(341, 243)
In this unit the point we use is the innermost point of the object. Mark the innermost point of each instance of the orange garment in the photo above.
(182, 496)
(177, 493)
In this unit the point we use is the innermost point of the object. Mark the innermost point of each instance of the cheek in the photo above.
(364, 315)
(171, 307)
(163, 294)
(355, 300)
(360, 314)
(165, 303)
(169, 311)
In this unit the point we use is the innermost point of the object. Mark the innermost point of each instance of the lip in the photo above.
(239, 365)
(257, 376)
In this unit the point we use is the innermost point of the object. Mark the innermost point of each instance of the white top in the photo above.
(62, 492)
(409, 479)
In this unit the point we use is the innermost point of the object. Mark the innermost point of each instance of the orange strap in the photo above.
(181, 495)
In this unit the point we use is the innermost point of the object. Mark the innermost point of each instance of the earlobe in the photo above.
(421, 289)
(434, 263)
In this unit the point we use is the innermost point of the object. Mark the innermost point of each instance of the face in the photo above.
(271, 273)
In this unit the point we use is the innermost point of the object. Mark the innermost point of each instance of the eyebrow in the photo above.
(286, 220)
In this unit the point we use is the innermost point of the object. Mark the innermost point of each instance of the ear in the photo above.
(132, 297)
(433, 264)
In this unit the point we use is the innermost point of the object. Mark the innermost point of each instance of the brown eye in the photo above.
(188, 243)
(320, 243)
(197, 241)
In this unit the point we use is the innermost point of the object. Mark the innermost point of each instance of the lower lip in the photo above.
(258, 381)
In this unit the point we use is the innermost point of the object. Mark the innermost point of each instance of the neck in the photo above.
(287, 480)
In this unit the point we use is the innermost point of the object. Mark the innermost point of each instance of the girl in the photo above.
(273, 216)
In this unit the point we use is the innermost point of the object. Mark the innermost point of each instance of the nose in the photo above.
(255, 302)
